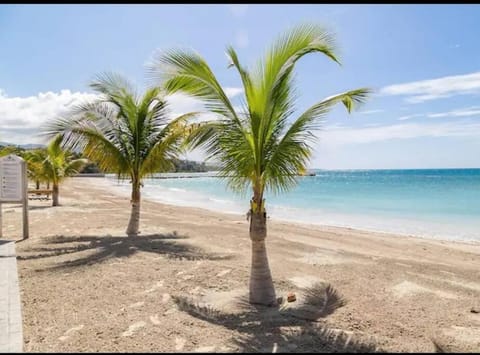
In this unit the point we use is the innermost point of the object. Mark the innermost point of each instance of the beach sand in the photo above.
(85, 287)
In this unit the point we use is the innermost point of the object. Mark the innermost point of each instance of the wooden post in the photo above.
(25, 200)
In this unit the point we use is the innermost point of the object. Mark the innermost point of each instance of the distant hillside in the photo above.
(24, 146)
(179, 165)
(182, 166)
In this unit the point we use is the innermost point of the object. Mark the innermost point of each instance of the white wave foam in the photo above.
(177, 189)
(401, 225)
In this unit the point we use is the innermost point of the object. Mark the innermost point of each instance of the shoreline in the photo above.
(120, 191)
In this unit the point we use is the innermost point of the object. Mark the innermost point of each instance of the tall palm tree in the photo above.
(263, 145)
(57, 164)
(124, 133)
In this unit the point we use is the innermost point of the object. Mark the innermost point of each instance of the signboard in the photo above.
(11, 180)
(13, 186)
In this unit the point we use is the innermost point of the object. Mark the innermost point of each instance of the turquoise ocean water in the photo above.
(443, 203)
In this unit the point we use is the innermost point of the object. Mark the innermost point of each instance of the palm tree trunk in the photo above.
(134, 223)
(261, 284)
(55, 193)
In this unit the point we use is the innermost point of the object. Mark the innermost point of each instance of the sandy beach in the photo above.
(85, 287)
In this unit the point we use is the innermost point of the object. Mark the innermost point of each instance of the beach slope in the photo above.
(85, 287)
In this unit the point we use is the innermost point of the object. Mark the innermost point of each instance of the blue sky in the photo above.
(423, 62)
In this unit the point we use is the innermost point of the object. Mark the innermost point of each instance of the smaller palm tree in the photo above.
(57, 165)
(124, 133)
(35, 171)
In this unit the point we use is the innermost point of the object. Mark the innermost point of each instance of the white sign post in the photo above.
(13, 186)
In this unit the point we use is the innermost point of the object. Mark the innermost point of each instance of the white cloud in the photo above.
(21, 118)
(241, 39)
(461, 112)
(369, 112)
(180, 104)
(470, 111)
(407, 117)
(333, 126)
(334, 137)
(426, 90)
(238, 10)
(232, 92)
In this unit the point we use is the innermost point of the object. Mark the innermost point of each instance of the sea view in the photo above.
(436, 203)
(356, 127)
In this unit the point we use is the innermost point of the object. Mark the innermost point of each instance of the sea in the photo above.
(431, 203)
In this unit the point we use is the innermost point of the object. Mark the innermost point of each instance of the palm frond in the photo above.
(274, 76)
(289, 156)
(168, 144)
(203, 134)
(244, 75)
(74, 166)
(187, 71)
(112, 84)
(120, 93)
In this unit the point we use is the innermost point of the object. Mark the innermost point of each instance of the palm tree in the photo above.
(57, 165)
(262, 145)
(35, 168)
(124, 133)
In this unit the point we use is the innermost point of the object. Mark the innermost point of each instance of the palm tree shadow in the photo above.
(442, 345)
(103, 248)
(439, 348)
(284, 328)
(30, 207)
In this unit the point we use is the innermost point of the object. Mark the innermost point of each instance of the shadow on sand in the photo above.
(40, 207)
(300, 328)
(107, 247)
